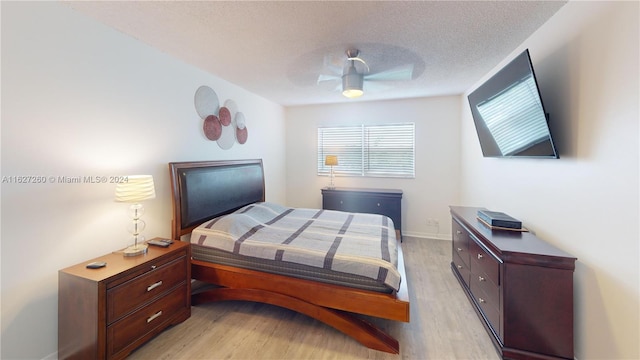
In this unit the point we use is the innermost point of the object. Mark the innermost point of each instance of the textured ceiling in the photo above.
(278, 49)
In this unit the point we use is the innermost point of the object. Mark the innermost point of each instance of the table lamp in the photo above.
(136, 189)
(331, 161)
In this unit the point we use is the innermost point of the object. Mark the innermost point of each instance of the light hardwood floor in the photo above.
(443, 324)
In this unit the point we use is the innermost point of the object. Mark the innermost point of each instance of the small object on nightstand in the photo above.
(160, 242)
(96, 265)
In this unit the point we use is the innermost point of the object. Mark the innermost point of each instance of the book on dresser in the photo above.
(499, 219)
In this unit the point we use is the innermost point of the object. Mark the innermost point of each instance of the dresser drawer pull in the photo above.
(378, 204)
(480, 256)
(153, 286)
(153, 267)
(154, 316)
(480, 278)
(459, 249)
(340, 202)
(459, 266)
(482, 301)
(458, 232)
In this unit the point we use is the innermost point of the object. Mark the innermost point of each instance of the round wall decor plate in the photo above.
(240, 120)
(241, 128)
(242, 135)
(212, 128)
(206, 102)
(232, 106)
(225, 116)
(227, 138)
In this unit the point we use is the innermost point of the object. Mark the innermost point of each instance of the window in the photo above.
(369, 150)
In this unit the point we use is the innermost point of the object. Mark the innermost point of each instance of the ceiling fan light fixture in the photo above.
(352, 83)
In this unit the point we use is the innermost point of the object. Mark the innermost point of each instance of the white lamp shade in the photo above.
(137, 188)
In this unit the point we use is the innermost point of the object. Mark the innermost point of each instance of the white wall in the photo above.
(586, 61)
(437, 146)
(81, 99)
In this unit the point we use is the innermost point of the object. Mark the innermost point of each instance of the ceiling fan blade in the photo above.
(333, 64)
(404, 72)
(323, 77)
(376, 86)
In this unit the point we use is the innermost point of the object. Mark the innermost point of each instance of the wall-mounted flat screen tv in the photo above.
(509, 116)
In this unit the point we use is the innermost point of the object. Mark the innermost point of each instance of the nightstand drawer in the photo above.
(128, 296)
(127, 330)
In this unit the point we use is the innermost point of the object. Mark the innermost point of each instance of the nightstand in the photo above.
(106, 313)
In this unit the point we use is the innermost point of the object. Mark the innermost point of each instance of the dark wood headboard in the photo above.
(203, 190)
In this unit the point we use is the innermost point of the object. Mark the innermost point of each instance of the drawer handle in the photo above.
(459, 249)
(480, 256)
(458, 232)
(480, 278)
(460, 267)
(378, 204)
(482, 301)
(153, 286)
(153, 267)
(154, 316)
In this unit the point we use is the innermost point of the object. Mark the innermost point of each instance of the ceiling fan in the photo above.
(356, 72)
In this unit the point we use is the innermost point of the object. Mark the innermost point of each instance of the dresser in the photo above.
(372, 201)
(106, 313)
(520, 286)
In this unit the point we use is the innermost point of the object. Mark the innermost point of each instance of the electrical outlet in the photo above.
(432, 222)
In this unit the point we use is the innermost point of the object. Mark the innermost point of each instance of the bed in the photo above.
(213, 200)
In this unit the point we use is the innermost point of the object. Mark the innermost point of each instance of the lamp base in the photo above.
(135, 250)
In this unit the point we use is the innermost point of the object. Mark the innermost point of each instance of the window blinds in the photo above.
(369, 150)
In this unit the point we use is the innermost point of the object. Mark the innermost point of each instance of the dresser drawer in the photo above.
(127, 330)
(460, 242)
(130, 295)
(482, 286)
(332, 202)
(483, 262)
(463, 269)
(490, 312)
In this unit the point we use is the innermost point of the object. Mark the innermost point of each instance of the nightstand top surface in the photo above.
(117, 263)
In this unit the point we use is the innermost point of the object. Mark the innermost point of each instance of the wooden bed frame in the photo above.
(207, 189)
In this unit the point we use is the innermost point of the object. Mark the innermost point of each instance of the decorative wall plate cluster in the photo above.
(223, 124)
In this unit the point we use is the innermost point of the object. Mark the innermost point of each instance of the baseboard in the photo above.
(52, 356)
(446, 237)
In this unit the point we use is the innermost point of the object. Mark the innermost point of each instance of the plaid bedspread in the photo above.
(355, 243)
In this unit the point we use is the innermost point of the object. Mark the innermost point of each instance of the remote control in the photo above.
(160, 242)
(96, 265)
